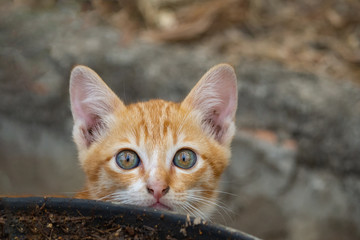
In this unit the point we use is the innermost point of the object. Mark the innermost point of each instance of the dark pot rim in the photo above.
(165, 222)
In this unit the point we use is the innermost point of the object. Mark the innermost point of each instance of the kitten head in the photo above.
(160, 154)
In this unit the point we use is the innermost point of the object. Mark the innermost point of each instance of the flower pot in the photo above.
(65, 218)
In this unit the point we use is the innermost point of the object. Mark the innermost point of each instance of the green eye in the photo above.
(185, 159)
(127, 159)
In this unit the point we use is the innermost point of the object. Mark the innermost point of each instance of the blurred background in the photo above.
(295, 171)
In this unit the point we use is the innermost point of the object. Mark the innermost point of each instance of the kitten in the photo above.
(157, 154)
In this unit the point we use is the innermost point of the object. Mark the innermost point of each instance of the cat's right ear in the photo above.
(92, 105)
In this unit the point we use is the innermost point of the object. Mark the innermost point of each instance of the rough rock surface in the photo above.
(295, 170)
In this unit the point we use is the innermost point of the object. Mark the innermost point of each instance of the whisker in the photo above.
(217, 191)
(192, 209)
(218, 205)
(218, 201)
(186, 209)
(198, 211)
(116, 196)
(207, 202)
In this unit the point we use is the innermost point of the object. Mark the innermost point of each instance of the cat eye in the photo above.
(185, 159)
(127, 159)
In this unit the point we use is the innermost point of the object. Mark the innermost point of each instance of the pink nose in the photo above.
(158, 189)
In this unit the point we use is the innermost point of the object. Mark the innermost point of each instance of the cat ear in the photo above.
(215, 98)
(92, 105)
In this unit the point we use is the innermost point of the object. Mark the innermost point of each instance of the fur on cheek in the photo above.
(181, 181)
(122, 180)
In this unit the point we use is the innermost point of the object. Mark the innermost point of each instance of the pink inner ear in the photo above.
(91, 101)
(215, 96)
(80, 110)
(222, 80)
(227, 106)
(83, 115)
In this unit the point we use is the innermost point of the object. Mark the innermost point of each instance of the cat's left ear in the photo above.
(215, 98)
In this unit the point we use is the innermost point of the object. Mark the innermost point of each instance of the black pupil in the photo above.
(128, 157)
(184, 157)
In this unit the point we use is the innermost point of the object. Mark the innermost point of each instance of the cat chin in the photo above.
(160, 206)
(156, 205)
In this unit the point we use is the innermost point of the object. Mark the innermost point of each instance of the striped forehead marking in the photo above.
(155, 121)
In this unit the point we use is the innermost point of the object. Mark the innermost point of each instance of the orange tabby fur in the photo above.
(155, 130)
